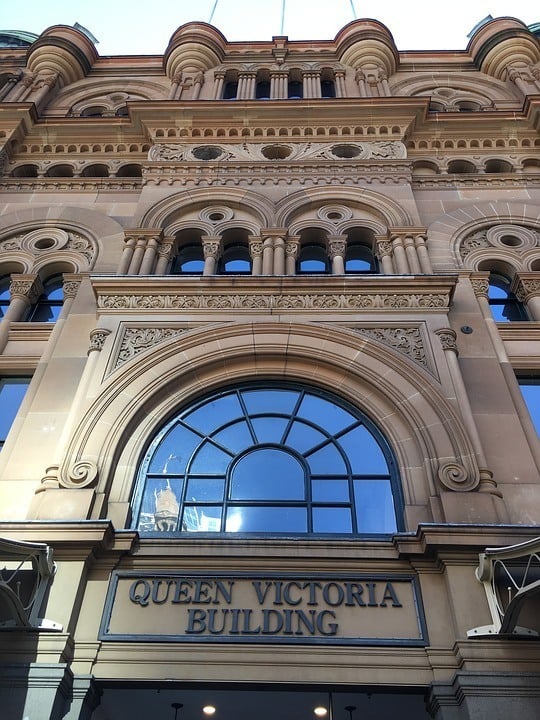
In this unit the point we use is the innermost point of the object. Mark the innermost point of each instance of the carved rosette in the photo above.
(137, 340)
(81, 474)
(454, 476)
(97, 339)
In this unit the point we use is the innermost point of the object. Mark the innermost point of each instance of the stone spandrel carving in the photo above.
(136, 340)
(279, 151)
(473, 242)
(510, 238)
(408, 341)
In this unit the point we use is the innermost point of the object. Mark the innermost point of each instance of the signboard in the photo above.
(266, 608)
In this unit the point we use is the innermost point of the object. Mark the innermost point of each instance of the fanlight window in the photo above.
(268, 460)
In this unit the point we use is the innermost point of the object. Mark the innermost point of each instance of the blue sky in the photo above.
(140, 26)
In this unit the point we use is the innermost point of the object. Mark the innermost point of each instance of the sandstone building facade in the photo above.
(269, 377)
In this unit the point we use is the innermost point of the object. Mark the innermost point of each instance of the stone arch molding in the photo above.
(42, 236)
(384, 211)
(447, 233)
(428, 440)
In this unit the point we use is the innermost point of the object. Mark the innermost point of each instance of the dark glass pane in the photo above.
(12, 391)
(215, 413)
(205, 490)
(230, 90)
(531, 395)
(269, 429)
(266, 519)
(364, 452)
(160, 505)
(325, 414)
(210, 459)
(270, 401)
(268, 474)
(332, 520)
(329, 490)
(497, 292)
(56, 292)
(326, 461)
(328, 89)
(44, 312)
(4, 296)
(374, 506)
(201, 518)
(303, 437)
(174, 451)
(235, 437)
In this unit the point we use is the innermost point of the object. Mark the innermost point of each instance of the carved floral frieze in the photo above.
(136, 340)
(406, 340)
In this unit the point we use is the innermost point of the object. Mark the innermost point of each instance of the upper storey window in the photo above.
(313, 259)
(189, 261)
(4, 295)
(12, 392)
(49, 305)
(272, 459)
(505, 307)
(360, 259)
(230, 90)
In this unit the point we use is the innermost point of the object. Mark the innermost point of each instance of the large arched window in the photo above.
(273, 459)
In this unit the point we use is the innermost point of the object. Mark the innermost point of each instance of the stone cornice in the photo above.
(267, 295)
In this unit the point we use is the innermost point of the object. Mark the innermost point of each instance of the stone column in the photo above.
(42, 88)
(164, 254)
(127, 254)
(278, 85)
(198, 80)
(268, 256)
(175, 82)
(246, 86)
(150, 252)
(480, 285)
(337, 250)
(339, 80)
(24, 292)
(448, 341)
(361, 81)
(526, 288)
(8, 87)
(97, 339)
(212, 249)
(521, 77)
(384, 88)
(256, 254)
(219, 80)
(384, 253)
(423, 255)
(410, 251)
(22, 88)
(279, 256)
(400, 258)
(292, 247)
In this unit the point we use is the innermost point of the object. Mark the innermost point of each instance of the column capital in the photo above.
(336, 246)
(448, 337)
(211, 246)
(525, 286)
(97, 339)
(29, 287)
(71, 284)
(480, 284)
(142, 234)
(255, 243)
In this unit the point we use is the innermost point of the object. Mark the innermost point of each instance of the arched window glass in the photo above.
(295, 90)
(230, 90)
(505, 307)
(49, 305)
(312, 259)
(4, 295)
(360, 259)
(328, 89)
(235, 260)
(189, 261)
(274, 459)
(262, 90)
